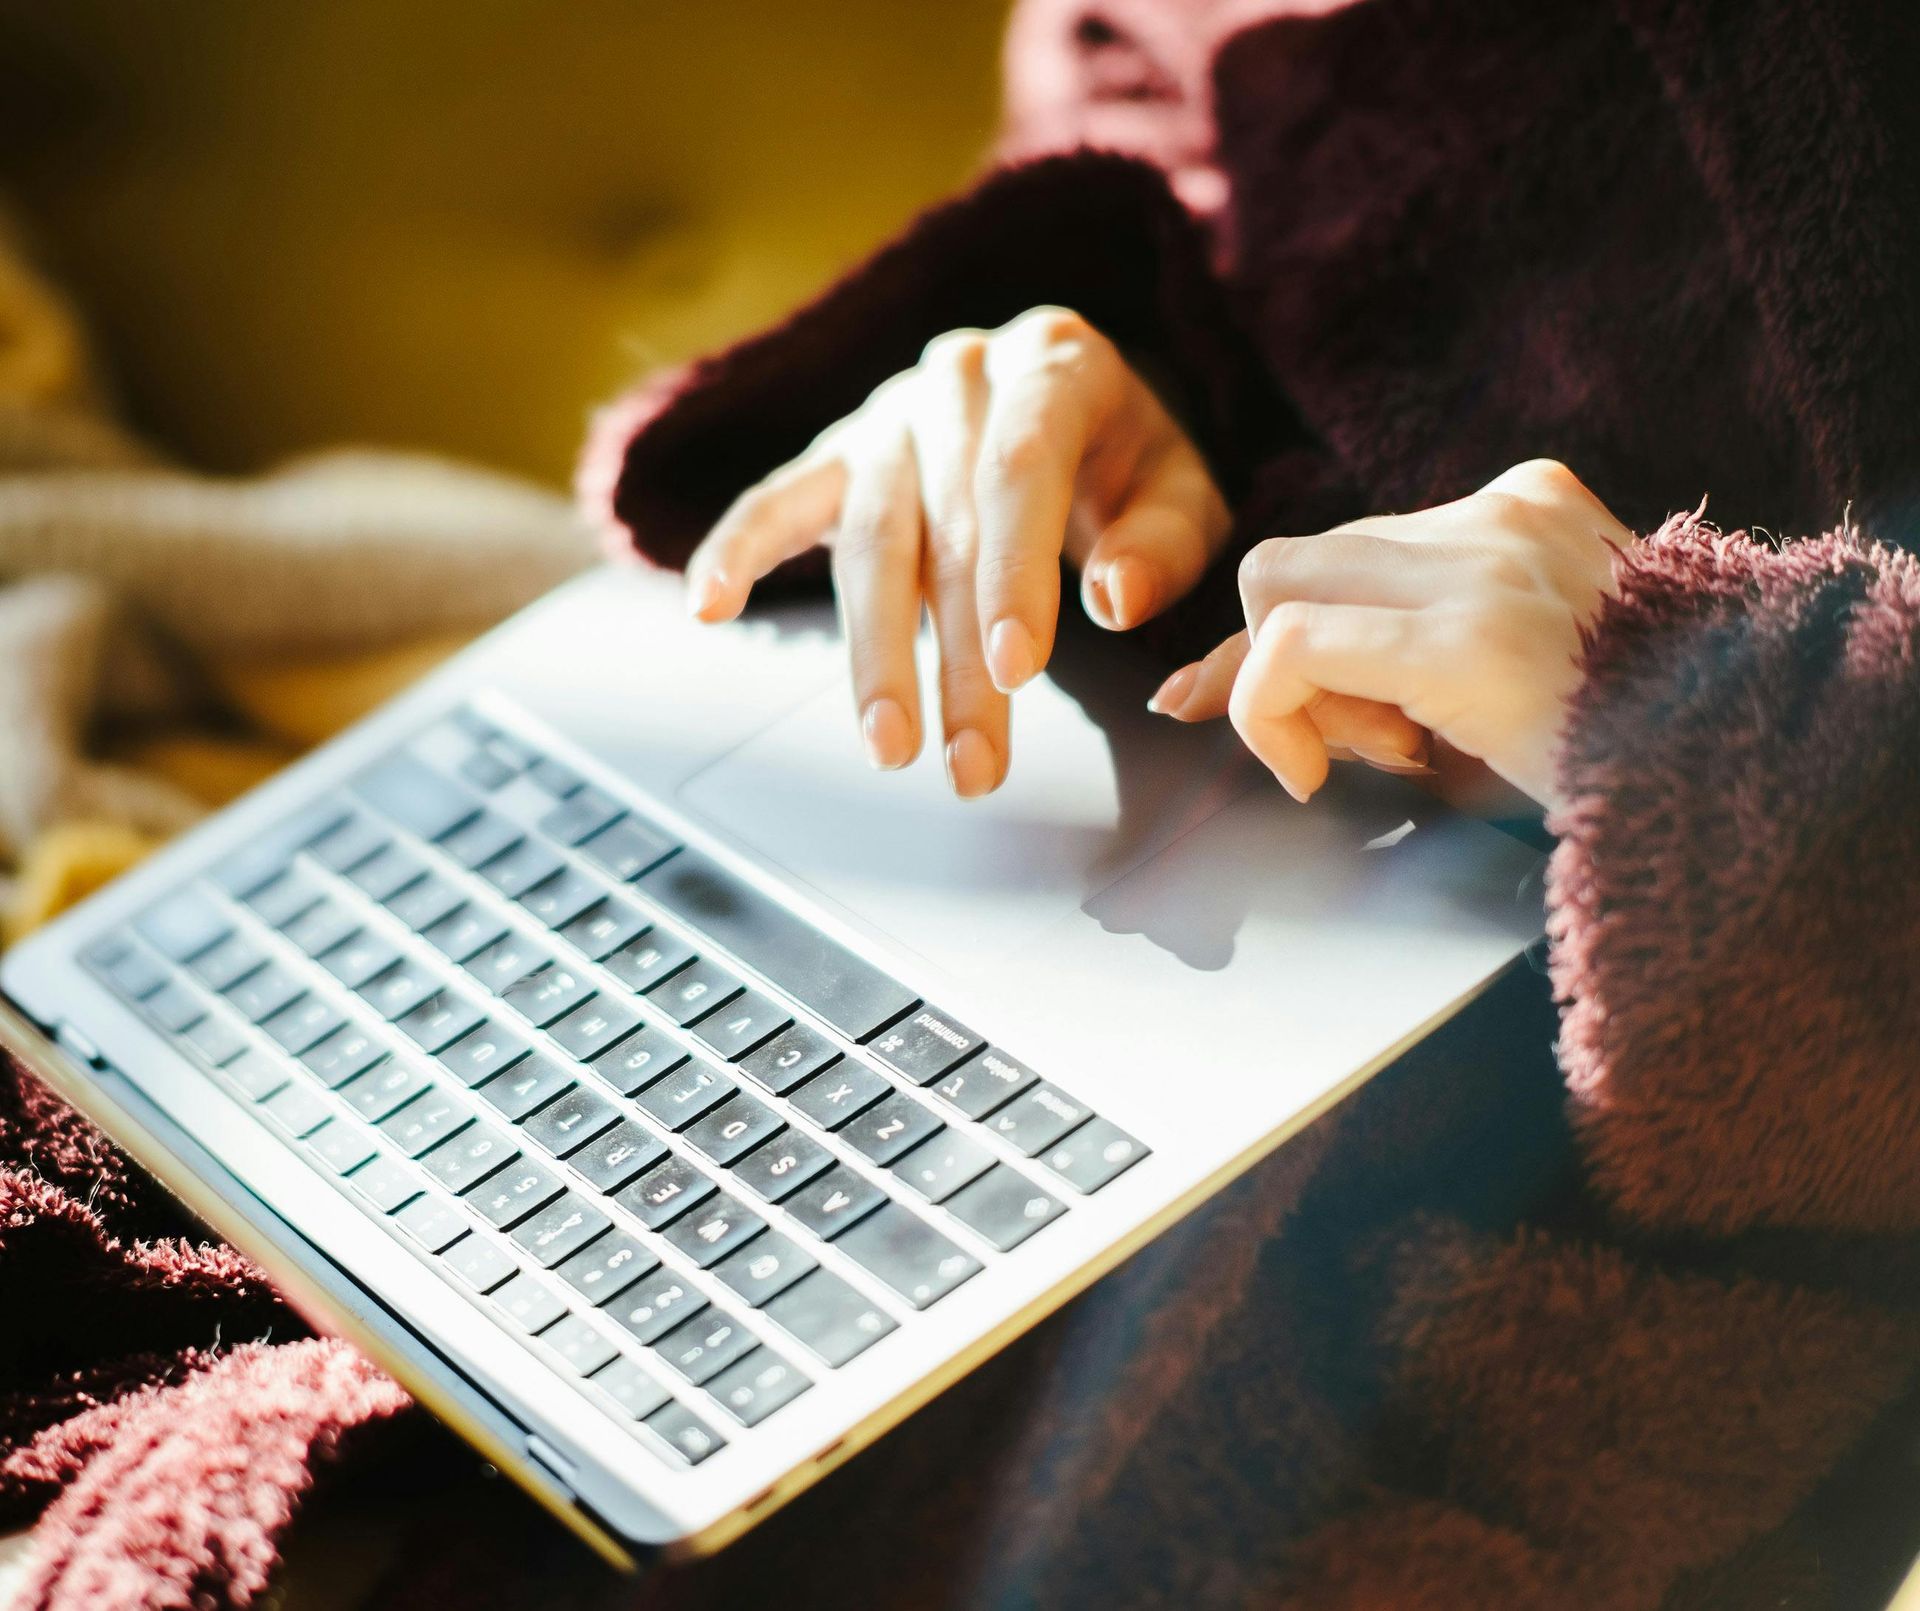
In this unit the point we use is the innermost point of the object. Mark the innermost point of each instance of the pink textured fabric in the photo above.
(177, 1494)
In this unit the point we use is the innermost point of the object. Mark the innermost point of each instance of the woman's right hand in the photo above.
(959, 485)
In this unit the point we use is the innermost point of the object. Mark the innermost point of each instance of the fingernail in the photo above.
(1011, 657)
(707, 595)
(1131, 587)
(888, 733)
(1392, 759)
(1172, 694)
(1099, 600)
(1296, 793)
(972, 766)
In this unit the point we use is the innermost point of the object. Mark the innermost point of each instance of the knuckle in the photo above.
(954, 350)
(1288, 627)
(1015, 456)
(1262, 566)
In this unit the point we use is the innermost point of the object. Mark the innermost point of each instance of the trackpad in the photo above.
(1098, 787)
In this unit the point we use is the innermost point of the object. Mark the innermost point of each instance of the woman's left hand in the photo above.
(1466, 618)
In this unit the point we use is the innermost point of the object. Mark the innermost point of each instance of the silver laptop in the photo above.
(671, 1102)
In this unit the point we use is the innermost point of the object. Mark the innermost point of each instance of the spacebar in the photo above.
(853, 996)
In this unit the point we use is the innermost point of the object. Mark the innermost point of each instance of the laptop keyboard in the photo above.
(606, 1089)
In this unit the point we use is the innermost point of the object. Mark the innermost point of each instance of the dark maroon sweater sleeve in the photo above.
(1736, 892)
(1095, 232)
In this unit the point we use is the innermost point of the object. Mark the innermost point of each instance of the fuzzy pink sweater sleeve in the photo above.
(1736, 892)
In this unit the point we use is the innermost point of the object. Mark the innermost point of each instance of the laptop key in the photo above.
(685, 1094)
(580, 1344)
(483, 1052)
(630, 1389)
(790, 1057)
(639, 1060)
(469, 1157)
(518, 868)
(479, 839)
(753, 1387)
(479, 1261)
(984, 1082)
(485, 771)
(505, 962)
(590, 1028)
(585, 812)
(361, 956)
(626, 848)
(664, 1192)
(321, 926)
(347, 845)
(908, 1254)
(464, 932)
(184, 924)
(742, 1024)
(641, 964)
(174, 1008)
(386, 1182)
(413, 794)
(341, 1145)
(435, 1223)
(605, 1268)
(279, 901)
(557, 900)
(424, 902)
(570, 1120)
(347, 1051)
(297, 1109)
(827, 1315)
(559, 781)
(556, 1232)
(525, 1086)
(832, 1098)
(1004, 1207)
(302, 1023)
(684, 1432)
(529, 1302)
(382, 1088)
(225, 964)
(653, 1304)
(1097, 1152)
(845, 991)
(547, 993)
(736, 1126)
(616, 1155)
(267, 853)
(938, 1168)
(1038, 1117)
(215, 1040)
(387, 871)
(423, 1122)
(397, 990)
(513, 1194)
(134, 974)
(924, 1045)
(778, 1168)
(694, 991)
(892, 1125)
(700, 1347)
(765, 1267)
(714, 1229)
(255, 1074)
(263, 992)
(439, 1020)
(604, 927)
(831, 1202)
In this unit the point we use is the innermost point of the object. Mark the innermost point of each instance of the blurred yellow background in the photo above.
(458, 225)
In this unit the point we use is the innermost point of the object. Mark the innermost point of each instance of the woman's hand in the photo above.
(1466, 618)
(959, 484)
